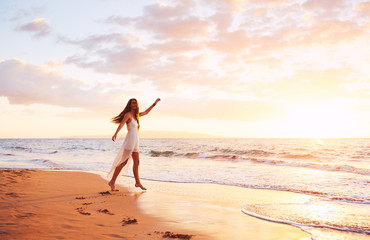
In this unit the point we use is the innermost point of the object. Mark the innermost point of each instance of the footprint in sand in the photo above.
(128, 220)
(106, 211)
(81, 210)
(26, 215)
(105, 193)
(174, 235)
(12, 194)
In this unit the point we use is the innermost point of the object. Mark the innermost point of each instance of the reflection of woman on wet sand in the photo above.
(130, 147)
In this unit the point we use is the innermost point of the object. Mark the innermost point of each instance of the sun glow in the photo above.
(318, 121)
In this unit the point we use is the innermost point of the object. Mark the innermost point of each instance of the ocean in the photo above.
(336, 171)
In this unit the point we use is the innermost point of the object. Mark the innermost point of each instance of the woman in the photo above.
(130, 147)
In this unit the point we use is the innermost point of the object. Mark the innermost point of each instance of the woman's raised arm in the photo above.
(150, 108)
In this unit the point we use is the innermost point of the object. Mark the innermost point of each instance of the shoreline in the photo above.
(49, 204)
(216, 210)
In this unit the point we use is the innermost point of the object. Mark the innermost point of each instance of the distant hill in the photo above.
(168, 134)
(158, 134)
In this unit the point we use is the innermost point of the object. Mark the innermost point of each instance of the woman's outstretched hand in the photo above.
(156, 101)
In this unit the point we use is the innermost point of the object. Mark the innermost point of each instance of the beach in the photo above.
(76, 205)
(73, 205)
(262, 189)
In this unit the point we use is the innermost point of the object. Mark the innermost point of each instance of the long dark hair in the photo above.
(118, 119)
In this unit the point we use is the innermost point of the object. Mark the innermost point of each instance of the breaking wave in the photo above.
(281, 162)
(47, 163)
(32, 150)
(317, 214)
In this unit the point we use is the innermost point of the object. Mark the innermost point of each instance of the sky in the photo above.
(233, 68)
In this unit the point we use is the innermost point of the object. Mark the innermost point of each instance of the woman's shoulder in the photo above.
(128, 116)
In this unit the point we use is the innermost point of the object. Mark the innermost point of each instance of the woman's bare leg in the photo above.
(112, 182)
(135, 157)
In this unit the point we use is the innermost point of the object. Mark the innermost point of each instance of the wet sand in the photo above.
(215, 210)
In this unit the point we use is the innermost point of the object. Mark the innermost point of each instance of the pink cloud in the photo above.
(38, 26)
(363, 9)
(163, 11)
(166, 21)
(221, 20)
(326, 5)
(363, 6)
(227, 5)
(23, 83)
(235, 6)
(176, 46)
(330, 10)
(98, 41)
(189, 27)
(175, 39)
(230, 42)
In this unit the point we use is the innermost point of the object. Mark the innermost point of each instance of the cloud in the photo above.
(231, 42)
(169, 11)
(230, 47)
(181, 28)
(327, 5)
(25, 84)
(363, 10)
(328, 10)
(227, 5)
(124, 60)
(363, 6)
(174, 46)
(166, 21)
(252, 101)
(100, 41)
(38, 26)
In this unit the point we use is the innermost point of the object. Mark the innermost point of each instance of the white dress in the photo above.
(130, 145)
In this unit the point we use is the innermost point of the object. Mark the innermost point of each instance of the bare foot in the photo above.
(140, 186)
(112, 187)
